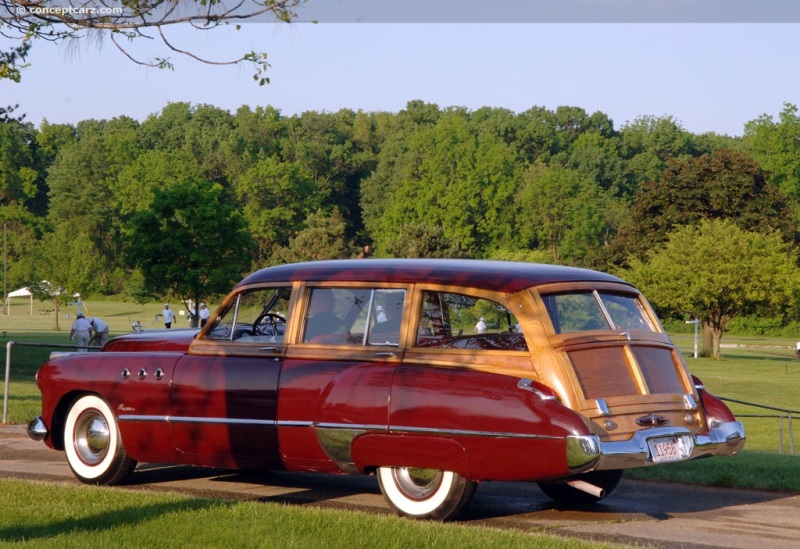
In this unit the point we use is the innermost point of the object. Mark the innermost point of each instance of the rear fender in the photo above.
(717, 412)
(379, 450)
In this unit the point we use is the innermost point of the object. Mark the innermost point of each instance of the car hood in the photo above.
(154, 340)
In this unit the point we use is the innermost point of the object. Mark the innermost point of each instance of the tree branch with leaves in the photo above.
(25, 21)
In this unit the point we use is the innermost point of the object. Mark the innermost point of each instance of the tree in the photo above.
(418, 239)
(561, 211)
(63, 266)
(716, 271)
(451, 175)
(722, 185)
(123, 22)
(776, 146)
(277, 197)
(190, 241)
(323, 238)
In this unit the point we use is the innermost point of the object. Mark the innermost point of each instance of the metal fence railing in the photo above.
(785, 414)
(11, 344)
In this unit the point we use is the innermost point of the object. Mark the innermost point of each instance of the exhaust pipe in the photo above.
(584, 486)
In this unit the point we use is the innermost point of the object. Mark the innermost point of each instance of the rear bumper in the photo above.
(588, 453)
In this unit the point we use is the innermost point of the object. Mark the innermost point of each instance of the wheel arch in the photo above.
(60, 415)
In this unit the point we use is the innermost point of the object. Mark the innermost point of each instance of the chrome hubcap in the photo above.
(92, 437)
(417, 483)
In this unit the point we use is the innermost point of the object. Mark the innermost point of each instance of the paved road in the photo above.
(638, 513)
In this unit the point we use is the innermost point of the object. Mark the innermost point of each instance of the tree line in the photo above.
(195, 196)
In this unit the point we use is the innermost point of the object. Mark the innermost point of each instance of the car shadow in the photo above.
(632, 500)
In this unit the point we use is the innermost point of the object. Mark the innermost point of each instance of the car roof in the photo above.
(500, 276)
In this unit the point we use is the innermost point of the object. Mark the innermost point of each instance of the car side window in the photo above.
(254, 316)
(457, 321)
(354, 316)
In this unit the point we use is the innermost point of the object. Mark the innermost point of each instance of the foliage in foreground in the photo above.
(46, 515)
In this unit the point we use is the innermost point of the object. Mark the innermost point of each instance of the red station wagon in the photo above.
(433, 375)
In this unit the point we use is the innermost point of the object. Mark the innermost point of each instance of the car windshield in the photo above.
(593, 310)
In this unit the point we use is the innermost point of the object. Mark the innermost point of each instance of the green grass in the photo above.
(47, 515)
(748, 469)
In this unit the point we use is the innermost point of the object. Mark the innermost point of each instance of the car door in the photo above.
(336, 378)
(224, 392)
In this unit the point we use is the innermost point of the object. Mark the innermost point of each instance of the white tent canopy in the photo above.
(22, 292)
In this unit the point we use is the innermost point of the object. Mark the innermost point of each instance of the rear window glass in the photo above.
(593, 310)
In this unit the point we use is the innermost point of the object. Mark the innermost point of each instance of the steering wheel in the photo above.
(270, 320)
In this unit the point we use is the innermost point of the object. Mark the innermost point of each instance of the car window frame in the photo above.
(304, 301)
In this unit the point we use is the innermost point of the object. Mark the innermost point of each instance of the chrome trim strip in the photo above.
(463, 432)
(602, 407)
(335, 426)
(350, 426)
(527, 385)
(211, 420)
(605, 312)
(222, 421)
(290, 423)
(689, 402)
(132, 417)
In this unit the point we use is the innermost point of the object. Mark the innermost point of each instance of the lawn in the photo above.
(48, 515)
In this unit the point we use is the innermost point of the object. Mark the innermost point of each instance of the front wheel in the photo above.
(565, 493)
(425, 493)
(92, 443)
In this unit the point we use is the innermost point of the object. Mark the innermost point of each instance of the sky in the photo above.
(710, 77)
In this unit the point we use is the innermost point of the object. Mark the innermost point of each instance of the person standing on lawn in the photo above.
(81, 332)
(100, 328)
(169, 316)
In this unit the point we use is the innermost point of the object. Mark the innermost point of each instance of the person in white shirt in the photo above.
(480, 327)
(80, 332)
(169, 316)
(100, 337)
(204, 314)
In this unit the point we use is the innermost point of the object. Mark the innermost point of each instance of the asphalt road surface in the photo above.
(637, 513)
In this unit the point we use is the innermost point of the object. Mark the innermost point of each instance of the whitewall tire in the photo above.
(93, 444)
(425, 493)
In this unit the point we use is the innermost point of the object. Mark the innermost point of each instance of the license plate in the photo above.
(667, 449)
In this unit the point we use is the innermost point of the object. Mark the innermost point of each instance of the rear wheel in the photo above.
(425, 493)
(92, 443)
(564, 493)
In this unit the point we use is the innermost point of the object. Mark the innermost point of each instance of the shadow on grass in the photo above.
(109, 520)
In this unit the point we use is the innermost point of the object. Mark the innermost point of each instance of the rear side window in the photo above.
(457, 321)
(593, 310)
(354, 316)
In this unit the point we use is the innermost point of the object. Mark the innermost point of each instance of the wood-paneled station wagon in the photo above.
(433, 375)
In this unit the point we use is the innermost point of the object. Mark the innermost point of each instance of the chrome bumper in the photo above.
(588, 453)
(37, 429)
